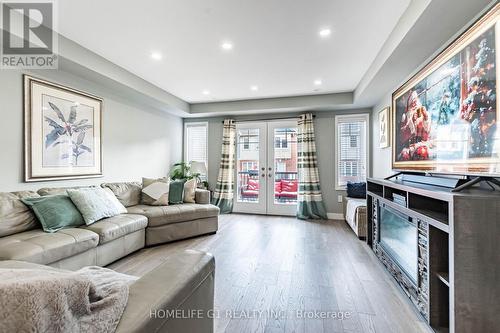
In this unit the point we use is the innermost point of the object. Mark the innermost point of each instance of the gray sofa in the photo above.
(101, 243)
(185, 281)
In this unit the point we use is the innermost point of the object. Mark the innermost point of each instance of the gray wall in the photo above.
(381, 158)
(325, 144)
(137, 141)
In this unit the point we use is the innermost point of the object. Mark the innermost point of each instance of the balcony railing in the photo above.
(244, 176)
(251, 196)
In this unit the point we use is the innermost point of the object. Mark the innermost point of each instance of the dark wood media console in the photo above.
(455, 282)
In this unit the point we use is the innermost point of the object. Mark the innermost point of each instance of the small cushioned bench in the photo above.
(355, 215)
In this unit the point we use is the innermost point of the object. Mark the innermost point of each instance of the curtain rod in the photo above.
(265, 119)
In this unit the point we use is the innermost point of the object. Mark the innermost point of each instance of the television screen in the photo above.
(445, 118)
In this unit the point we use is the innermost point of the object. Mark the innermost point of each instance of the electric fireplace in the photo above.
(398, 235)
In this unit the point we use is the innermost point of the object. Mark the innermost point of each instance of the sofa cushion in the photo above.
(15, 216)
(356, 190)
(285, 194)
(39, 247)
(128, 193)
(161, 215)
(253, 185)
(155, 192)
(117, 226)
(277, 187)
(190, 191)
(60, 190)
(55, 212)
(289, 185)
(96, 203)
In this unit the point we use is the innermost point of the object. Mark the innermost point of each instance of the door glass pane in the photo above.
(248, 181)
(285, 166)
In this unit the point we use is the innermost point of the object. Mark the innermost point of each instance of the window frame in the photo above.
(185, 146)
(353, 117)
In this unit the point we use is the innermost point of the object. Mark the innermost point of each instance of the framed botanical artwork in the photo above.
(445, 118)
(62, 130)
(384, 127)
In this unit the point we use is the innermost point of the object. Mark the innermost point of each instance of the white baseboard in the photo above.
(335, 216)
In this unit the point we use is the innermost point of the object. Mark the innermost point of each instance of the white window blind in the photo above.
(352, 156)
(196, 142)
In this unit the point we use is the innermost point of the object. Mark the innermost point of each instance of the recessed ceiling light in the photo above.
(318, 82)
(206, 92)
(156, 55)
(254, 88)
(227, 46)
(325, 32)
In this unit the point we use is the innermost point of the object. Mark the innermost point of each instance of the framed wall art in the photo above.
(62, 129)
(445, 118)
(384, 127)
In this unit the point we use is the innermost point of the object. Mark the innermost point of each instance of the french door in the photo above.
(266, 168)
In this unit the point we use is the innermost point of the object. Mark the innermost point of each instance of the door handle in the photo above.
(263, 175)
(270, 175)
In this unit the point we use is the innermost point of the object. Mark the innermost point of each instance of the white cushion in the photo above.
(352, 206)
(96, 203)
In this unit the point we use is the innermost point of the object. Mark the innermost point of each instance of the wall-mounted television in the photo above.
(445, 118)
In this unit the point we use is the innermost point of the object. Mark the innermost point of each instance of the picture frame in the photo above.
(384, 125)
(444, 118)
(62, 132)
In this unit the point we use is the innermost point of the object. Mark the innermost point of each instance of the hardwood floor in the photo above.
(293, 269)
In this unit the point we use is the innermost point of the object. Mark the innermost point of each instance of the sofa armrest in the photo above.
(202, 197)
(184, 281)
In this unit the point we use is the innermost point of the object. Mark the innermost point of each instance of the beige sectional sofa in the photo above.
(101, 243)
(184, 282)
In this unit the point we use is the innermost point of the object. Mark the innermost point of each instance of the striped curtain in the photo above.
(224, 190)
(310, 201)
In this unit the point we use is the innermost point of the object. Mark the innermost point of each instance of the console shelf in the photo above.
(456, 235)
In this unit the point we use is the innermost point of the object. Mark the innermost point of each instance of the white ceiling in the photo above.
(276, 42)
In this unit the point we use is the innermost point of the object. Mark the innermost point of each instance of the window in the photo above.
(196, 142)
(351, 149)
(280, 166)
(281, 139)
(246, 143)
(248, 166)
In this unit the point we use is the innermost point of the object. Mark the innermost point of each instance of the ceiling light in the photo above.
(325, 32)
(205, 92)
(227, 46)
(156, 55)
(318, 82)
(254, 88)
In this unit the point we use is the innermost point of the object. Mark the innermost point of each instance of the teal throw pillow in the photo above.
(176, 192)
(55, 212)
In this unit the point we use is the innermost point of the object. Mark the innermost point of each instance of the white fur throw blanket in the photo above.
(48, 300)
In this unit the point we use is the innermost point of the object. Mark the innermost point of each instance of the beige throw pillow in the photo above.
(190, 191)
(155, 191)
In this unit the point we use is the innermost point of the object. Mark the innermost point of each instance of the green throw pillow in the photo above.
(176, 193)
(55, 212)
